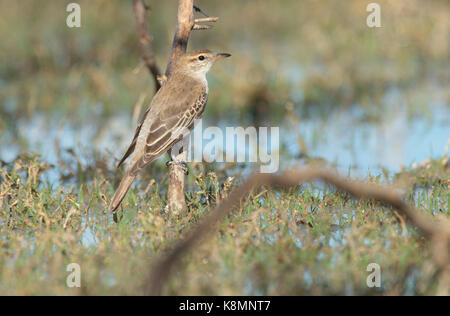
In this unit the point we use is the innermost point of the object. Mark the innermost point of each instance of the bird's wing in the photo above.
(132, 146)
(168, 125)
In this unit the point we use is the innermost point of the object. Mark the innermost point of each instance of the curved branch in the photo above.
(438, 233)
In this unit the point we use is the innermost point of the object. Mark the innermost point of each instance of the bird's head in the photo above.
(198, 63)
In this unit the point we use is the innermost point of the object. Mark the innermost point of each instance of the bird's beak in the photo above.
(220, 56)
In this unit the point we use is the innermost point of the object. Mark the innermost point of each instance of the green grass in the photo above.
(308, 240)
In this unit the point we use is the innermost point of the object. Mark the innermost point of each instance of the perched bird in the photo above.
(175, 106)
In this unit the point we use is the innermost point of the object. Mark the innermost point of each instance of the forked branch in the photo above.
(198, 26)
(185, 24)
(176, 202)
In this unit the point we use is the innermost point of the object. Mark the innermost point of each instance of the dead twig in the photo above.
(201, 27)
(437, 232)
(145, 41)
(208, 19)
(203, 20)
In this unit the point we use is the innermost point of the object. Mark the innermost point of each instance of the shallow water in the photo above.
(367, 147)
(341, 138)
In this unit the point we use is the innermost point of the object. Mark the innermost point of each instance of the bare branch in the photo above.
(204, 20)
(201, 27)
(437, 232)
(145, 41)
(185, 23)
(176, 202)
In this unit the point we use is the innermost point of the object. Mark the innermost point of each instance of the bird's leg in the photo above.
(179, 163)
(174, 151)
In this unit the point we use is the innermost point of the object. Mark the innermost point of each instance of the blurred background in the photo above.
(364, 99)
(370, 102)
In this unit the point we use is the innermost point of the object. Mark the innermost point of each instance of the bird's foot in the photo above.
(180, 164)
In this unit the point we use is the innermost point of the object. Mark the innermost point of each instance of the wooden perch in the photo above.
(185, 24)
(437, 232)
(176, 202)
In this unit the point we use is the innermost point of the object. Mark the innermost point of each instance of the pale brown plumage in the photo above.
(175, 106)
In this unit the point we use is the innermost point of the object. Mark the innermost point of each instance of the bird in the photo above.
(174, 108)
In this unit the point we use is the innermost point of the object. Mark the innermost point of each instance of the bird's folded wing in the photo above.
(134, 141)
(167, 131)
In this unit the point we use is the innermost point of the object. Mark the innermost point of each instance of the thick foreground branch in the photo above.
(437, 232)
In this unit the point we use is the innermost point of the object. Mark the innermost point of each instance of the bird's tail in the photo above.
(121, 191)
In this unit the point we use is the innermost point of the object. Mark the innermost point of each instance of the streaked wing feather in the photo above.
(161, 139)
(132, 146)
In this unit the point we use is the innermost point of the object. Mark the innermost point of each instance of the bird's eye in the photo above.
(201, 57)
